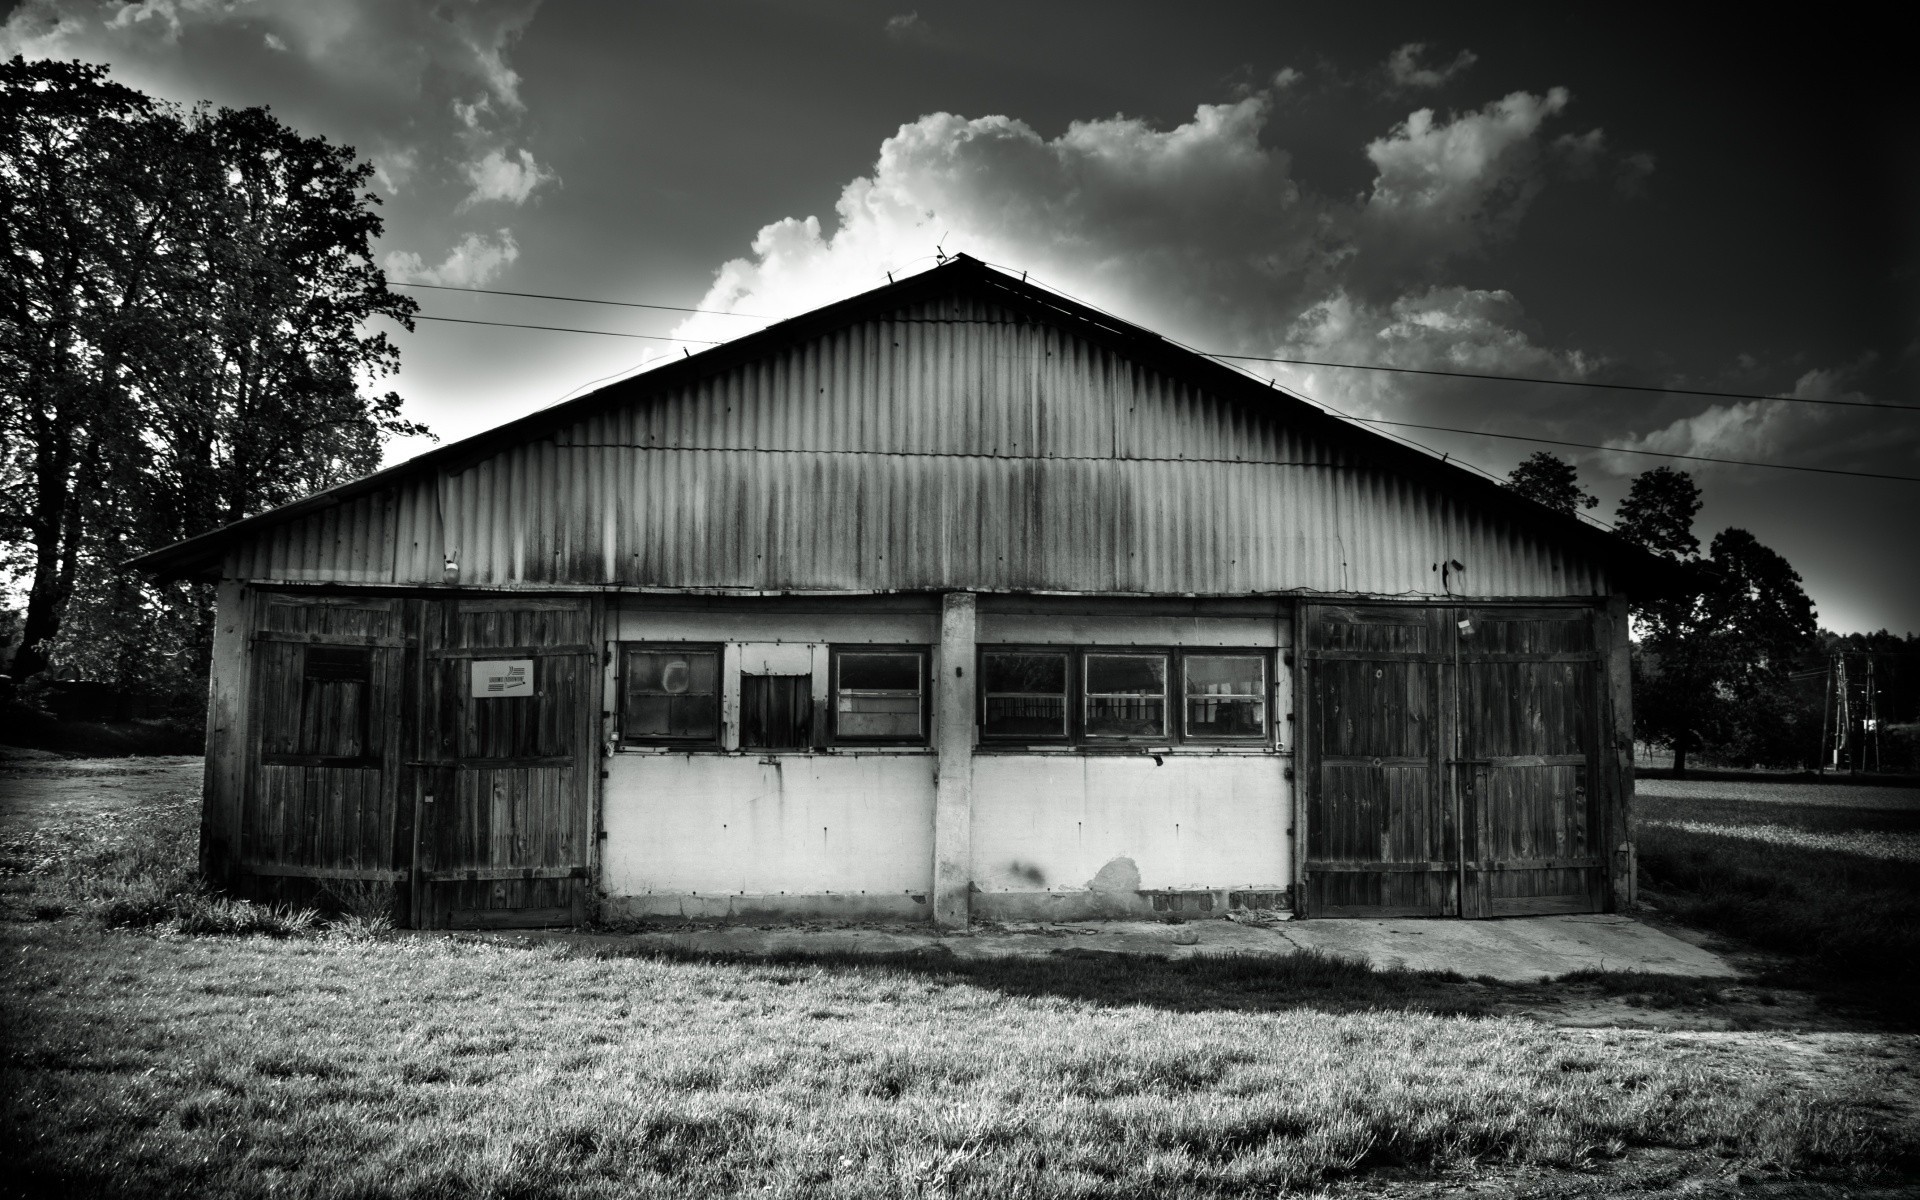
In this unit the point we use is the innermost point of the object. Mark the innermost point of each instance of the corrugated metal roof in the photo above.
(954, 440)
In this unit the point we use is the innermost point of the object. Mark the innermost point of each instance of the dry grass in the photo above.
(155, 1063)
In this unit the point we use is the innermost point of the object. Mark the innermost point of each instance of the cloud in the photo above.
(1200, 231)
(1443, 188)
(911, 27)
(1630, 178)
(1808, 434)
(1285, 78)
(511, 178)
(1405, 70)
(477, 259)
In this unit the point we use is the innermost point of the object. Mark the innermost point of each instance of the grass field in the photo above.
(1834, 887)
(141, 1059)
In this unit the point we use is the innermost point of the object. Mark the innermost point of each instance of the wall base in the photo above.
(835, 906)
(1121, 905)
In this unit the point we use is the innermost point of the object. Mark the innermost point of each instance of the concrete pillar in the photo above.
(953, 707)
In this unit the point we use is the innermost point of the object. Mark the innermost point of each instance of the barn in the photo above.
(953, 601)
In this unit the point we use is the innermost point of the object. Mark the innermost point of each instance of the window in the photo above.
(1024, 695)
(333, 702)
(879, 696)
(1226, 695)
(671, 695)
(776, 712)
(1126, 695)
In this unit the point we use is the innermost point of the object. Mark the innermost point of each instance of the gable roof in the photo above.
(960, 275)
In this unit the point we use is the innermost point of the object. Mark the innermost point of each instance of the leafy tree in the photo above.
(1552, 481)
(181, 345)
(1658, 513)
(1717, 648)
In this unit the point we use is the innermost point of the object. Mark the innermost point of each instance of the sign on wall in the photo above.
(503, 677)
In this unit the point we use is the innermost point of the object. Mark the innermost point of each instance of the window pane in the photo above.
(1126, 695)
(1126, 716)
(1026, 695)
(671, 694)
(880, 672)
(1131, 674)
(1226, 718)
(1025, 673)
(1222, 675)
(672, 672)
(879, 714)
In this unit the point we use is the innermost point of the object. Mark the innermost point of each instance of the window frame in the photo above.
(1265, 696)
(834, 653)
(1175, 729)
(1067, 736)
(718, 650)
(1168, 734)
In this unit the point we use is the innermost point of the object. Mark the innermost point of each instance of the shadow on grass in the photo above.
(1307, 982)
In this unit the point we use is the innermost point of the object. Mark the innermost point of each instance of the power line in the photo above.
(1485, 433)
(1298, 362)
(652, 337)
(443, 287)
(1737, 462)
(1614, 387)
(1335, 412)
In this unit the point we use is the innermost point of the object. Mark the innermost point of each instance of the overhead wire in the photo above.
(1289, 390)
(1574, 383)
(653, 337)
(447, 287)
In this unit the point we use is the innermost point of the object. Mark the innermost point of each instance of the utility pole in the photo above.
(1842, 720)
(1871, 742)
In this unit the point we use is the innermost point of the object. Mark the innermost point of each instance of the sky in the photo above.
(1517, 190)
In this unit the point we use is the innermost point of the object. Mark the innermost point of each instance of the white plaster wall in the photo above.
(799, 824)
(1052, 822)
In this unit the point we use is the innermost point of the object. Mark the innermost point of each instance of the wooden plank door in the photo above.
(1530, 695)
(1379, 821)
(509, 758)
(324, 770)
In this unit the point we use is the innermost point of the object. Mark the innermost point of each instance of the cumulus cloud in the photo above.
(499, 175)
(1446, 187)
(1406, 71)
(1200, 231)
(475, 260)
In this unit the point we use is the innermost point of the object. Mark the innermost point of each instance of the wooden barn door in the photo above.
(324, 773)
(1449, 762)
(509, 755)
(1530, 717)
(1379, 826)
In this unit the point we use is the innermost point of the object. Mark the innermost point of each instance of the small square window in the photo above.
(1126, 695)
(1024, 695)
(671, 694)
(1226, 695)
(880, 695)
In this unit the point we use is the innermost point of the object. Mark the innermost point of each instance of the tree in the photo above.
(1717, 647)
(1552, 481)
(79, 213)
(1658, 513)
(183, 348)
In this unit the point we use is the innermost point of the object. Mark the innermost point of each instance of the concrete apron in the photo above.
(1512, 949)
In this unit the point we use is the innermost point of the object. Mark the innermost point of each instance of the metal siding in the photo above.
(950, 446)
